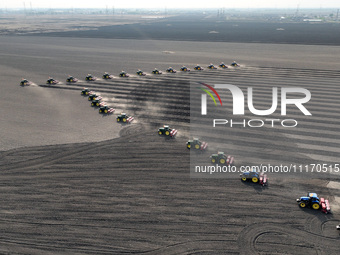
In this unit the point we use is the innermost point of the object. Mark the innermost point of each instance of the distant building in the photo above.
(312, 20)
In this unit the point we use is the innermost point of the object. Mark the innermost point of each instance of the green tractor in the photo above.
(90, 77)
(197, 145)
(171, 70)
(185, 69)
(93, 97)
(123, 74)
(167, 131)
(71, 79)
(124, 118)
(140, 73)
(222, 65)
(106, 109)
(156, 71)
(107, 76)
(97, 102)
(86, 92)
(222, 159)
(25, 82)
(198, 67)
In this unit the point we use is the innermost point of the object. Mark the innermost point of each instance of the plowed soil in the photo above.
(132, 192)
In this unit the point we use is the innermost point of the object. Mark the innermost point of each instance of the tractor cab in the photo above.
(123, 115)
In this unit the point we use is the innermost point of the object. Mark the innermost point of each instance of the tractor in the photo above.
(234, 64)
(86, 92)
(167, 131)
(197, 145)
(107, 76)
(222, 65)
(211, 66)
(123, 74)
(156, 71)
(52, 81)
(222, 159)
(93, 97)
(25, 82)
(171, 70)
(255, 177)
(140, 73)
(312, 200)
(185, 69)
(106, 109)
(199, 68)
(124, 118)
(71, 79)
(90, 77)
(97, 102)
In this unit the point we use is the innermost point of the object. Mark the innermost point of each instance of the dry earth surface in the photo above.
(75, 182)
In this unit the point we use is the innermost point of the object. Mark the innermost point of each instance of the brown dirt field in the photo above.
(134, 194)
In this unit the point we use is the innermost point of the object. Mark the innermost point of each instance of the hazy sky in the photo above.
(174, 3)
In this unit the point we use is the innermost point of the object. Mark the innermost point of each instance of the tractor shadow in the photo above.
(316, 213)
(256, 186)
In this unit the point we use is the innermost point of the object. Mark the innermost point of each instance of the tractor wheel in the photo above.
(89, 99)
(167, 133)
(124, 119)
(118, 119)
(105, 111)
(160, 132)
(254, 179)
(92, 104)
(222, 161)
(302, 204)
(100, 110)
(189, 146)
(97, 104)
(316, 206)
(244, 178)
(87, 93)
(213, 160)
(197, 147)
